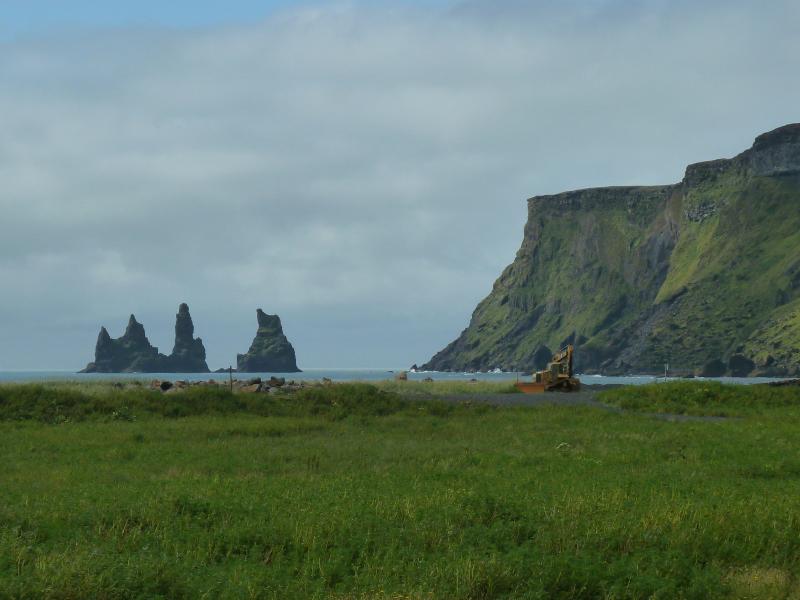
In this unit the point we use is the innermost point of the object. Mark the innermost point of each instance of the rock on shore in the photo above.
(133, 352)
(188, 354)
(270, 351)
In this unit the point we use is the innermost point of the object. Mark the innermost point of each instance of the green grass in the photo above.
(446, 388)
(64, 403)
(703, 398)
(379, 498)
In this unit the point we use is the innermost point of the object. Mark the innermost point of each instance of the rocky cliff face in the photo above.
(133, 353)
(188, 354)
(270, 351)
(703, 275)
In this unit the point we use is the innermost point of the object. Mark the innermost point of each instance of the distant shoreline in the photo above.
(341, 375)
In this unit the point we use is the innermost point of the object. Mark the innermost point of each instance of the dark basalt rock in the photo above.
(541, 357)
(188, 354)
(131, 353)
(776, 152)
(740, 366)
(713, 368)
(270, 350)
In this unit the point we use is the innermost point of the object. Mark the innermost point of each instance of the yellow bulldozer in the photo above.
(557, 377)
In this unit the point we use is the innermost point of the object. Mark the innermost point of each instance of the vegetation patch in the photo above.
(63, 403)
(447, 388)
(702, 398)
(351, 492)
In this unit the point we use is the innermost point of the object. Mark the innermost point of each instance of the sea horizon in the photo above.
(349, 374)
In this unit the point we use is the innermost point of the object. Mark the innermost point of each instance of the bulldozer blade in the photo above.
(530, 388)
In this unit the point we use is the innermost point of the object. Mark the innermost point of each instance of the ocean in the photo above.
(339, 375)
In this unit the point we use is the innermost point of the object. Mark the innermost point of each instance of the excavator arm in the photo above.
(558, 376)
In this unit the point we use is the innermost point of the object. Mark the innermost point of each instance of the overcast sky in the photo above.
(360, 169)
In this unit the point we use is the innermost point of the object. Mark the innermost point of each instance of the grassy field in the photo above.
(446, 388)
(352, 492)
(703, 398)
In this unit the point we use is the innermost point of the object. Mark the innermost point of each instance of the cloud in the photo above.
(361, 171)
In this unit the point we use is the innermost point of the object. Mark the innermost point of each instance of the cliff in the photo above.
(703, 275)
(270, 351)
(133, 353)
(188, 354)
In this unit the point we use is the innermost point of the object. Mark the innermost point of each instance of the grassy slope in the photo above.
(777, 336)
(734, 270)
(551, 502)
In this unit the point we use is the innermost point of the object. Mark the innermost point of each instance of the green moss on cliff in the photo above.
(728, 274)
(775, 343)
(581, 268)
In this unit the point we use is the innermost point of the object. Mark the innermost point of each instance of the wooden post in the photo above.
(230, 376)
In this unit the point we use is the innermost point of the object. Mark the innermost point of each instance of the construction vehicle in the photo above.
(557, 377)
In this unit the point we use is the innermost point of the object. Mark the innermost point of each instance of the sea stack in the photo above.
(131, 353)
(270, 351)
(188, 354)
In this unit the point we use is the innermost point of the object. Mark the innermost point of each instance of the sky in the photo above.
(42, 17)
(359, 168)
